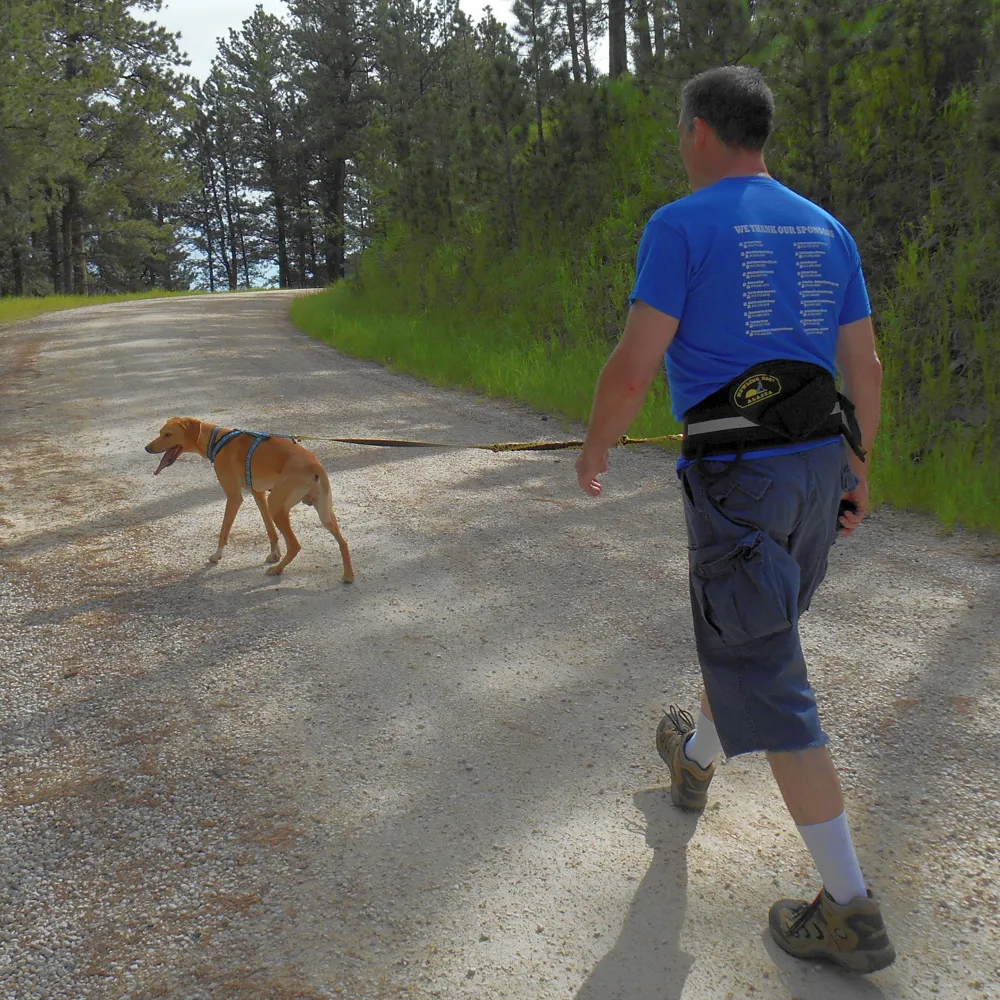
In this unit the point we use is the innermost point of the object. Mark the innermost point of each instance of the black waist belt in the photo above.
(770, 405)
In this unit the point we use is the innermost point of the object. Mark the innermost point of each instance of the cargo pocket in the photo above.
(741, 486)
(728, 493)
(750, 592)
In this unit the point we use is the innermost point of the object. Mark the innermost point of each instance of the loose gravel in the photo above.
(440, 781)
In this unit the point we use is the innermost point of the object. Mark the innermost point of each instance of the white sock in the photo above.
(830, 845)
(703, 745)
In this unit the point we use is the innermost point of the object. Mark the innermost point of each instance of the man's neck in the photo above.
(737, 163)
(744, 163)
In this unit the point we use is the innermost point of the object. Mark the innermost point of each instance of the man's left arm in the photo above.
(622, 387)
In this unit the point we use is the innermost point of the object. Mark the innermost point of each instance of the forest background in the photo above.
(482, 187)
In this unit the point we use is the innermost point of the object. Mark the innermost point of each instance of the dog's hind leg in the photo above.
(233, 502)
(272, 532)
(324, 507)
(279, 503)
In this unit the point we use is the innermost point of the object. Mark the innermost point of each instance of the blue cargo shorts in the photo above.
(759, 534)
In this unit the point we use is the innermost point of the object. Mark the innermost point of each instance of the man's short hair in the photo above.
(735, 101)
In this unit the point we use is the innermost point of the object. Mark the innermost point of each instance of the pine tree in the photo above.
(618, 38)
(505, 105)
(255, 62)
(334, 42)
(89, 186)
(536, 29)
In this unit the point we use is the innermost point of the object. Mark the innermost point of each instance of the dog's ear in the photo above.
(190, 425)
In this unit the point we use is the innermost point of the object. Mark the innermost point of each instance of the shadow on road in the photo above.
(647, 961)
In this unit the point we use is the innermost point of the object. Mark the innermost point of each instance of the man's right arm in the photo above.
(861, 372)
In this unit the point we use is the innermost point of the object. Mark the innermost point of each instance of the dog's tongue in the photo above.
(169, 457)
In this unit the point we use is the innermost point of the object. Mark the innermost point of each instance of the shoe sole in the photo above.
(861, 962)
(679, 799)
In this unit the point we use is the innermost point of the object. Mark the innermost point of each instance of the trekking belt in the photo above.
(772, 404)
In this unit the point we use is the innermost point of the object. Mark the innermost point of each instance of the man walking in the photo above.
(755, 298)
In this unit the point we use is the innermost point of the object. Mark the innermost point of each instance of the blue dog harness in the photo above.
(217, 443)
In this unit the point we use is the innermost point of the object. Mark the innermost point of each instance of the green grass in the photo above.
(495, 358)
(14, 309)
(935, 469)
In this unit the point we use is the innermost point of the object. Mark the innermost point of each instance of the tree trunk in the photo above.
(55, 257)
(227, 194)
(207, 224)
(16, 265)
(281, 222)
(641, 28)
(333, 240)
(168, 275)
(573, 44)
(209, 248)
(76, 236)
(74, 262)
(15, 251)
(300, 248)
(240, 234)
(511, 209)
(313, 261)
(66, 253)
(659, 34)
(617, 39)
(301, 222)
(588, 65)
(538, 111)
(217, 207)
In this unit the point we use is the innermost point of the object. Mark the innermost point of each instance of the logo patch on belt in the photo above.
(755, 389)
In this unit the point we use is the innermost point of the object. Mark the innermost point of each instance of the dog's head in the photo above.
(177, 435)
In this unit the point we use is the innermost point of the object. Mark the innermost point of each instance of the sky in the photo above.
(201, 22)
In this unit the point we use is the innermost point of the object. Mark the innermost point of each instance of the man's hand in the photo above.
(591, 463)
(622, 387)
(850, 520)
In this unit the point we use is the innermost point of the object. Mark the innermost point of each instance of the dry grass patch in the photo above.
(225, 903)
(275, 835)
(42, 786)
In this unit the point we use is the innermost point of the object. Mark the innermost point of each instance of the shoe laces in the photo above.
(805, 913)
(682, 721)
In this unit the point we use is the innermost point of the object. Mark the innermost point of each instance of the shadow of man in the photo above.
(646, 962)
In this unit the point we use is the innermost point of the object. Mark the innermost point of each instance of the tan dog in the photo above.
(278, 471)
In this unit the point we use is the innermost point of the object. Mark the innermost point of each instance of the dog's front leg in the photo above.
(233, 501)
(272, 532)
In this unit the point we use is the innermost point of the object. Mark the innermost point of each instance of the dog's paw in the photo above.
(215, 557)
(274, 571)
(273, 557)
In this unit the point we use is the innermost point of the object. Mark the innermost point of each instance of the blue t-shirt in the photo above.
(753, 272)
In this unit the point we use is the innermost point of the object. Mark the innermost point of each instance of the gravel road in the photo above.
(439, 781)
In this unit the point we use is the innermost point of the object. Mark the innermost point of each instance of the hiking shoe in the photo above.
(688, 782)
(851, 934)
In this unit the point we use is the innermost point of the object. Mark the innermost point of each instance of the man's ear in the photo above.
(702, 131)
